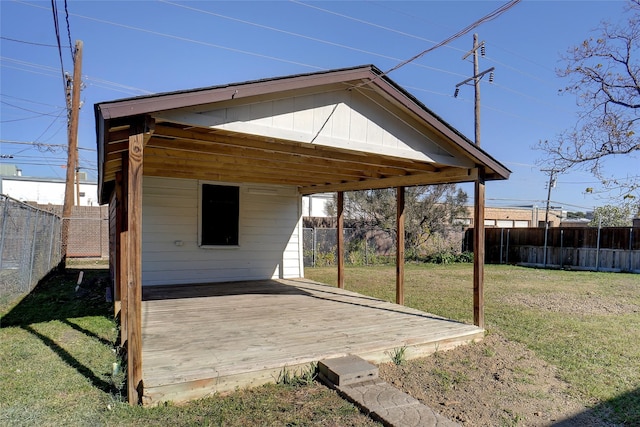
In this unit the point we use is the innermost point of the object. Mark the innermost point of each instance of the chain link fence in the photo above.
(29, 246)
(320, 247)
(374, 246)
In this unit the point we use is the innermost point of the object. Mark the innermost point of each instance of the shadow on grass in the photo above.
(72, 361)
(623, 410)
(58, 298)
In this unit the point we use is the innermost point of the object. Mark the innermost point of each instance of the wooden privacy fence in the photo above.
(614, 249)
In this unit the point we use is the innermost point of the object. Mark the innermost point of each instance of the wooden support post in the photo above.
(134, 270)
(117, 261)
(340, 231)
(123, 256)
(478, 251)
(400, 246)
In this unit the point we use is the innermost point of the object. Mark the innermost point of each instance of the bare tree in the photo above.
(604, 75)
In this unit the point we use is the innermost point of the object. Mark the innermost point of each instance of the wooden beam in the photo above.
(340, 232)
(265, 159)
(134, 271)
(400, 246)
(478, 251)
(209, 138)
(206, 162)
(224, 175)
(448, 175)
(277, 152)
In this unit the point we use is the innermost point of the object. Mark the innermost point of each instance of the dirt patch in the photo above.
(492, 383)
(589, 304)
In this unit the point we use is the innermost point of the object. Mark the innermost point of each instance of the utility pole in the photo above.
(479, 188)
(552, 184)
(72, 150)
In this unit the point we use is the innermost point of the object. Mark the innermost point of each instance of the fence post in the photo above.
(366, 247)
(314, 242)
(561, 249)
(52, 231)
(501, 243)
(33, 249)
(4, 224)
(546, 233)
(507, 252)
(23, 255)
(630, 247)
(598, 245)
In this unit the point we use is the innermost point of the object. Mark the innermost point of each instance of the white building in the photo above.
(315, 205)
(44, 191)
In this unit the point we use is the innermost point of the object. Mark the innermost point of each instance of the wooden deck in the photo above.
(202, 339)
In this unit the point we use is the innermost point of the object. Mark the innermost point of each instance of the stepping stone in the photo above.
(357, 381)
(347, 370)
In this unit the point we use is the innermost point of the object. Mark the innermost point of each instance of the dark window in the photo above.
(220, 213)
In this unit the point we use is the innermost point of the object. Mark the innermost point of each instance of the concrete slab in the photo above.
(347, 370)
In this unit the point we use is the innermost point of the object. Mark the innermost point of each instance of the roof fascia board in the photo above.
(150, 104)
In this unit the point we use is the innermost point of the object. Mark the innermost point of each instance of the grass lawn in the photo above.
(57, 351)
(585, 323)
(56, 369)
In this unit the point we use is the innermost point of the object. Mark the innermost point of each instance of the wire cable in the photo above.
(51, 114)
(315, 39)
(492, 15)
(27, 42)
(56, 25)
(66, 13)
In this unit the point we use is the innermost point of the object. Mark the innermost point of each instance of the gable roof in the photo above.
(336, 130)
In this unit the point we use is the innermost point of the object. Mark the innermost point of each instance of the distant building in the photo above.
(575, 222)
(516, 217)
(44, 191)
(502, 217)
(315, 205)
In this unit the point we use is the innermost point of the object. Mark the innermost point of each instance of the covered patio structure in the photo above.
(205, 187)
(222, 336)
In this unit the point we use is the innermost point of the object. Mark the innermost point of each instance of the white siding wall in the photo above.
(270, 235)
(340, 118)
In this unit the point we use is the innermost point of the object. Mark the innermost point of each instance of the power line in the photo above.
(56, 25)
(29, 100)
(27, 109)
(66, 13)
(130, 89)
(28, 42)
(459, 34)
(51, 124)
(289, 33)
(186, 39)
(8, 141)
(30, 64)
(119, 87)
(402, 33)
(485, 19)
(362, 21)
(24, 118)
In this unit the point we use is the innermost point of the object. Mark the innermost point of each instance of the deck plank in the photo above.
(201, 339)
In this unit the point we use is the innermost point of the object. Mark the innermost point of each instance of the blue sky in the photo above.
(139, 47)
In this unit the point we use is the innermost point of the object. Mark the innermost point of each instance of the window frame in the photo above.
(201, 185)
